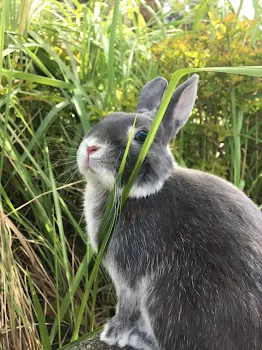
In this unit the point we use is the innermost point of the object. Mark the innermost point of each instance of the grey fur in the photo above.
(151, 95)
(185, 258)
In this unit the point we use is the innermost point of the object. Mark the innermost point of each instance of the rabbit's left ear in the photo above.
(151, 96)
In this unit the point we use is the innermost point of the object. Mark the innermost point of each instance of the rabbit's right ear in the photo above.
(151, 96)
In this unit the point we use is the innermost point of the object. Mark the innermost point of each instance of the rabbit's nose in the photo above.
(91, 149)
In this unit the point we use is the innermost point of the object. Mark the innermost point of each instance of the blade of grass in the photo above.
(40, 316)
(2, 35)
(201, 10)
(257, 9)
(57, 280)
(93, 306)
(23, 20)
(37, 79)
(111, 92)
(236, 155)
(59, 222)
(92, 278)
(80, 108)
(75, 283)
(4, 126)
(108, 211)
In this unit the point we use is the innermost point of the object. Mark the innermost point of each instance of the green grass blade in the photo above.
(81, 110)
(57, 281)
(66, 300)
(23, 19)
(37, 79)
(59, 221)
(40, 316)
(255, 31)
(201, 10)
(111, 92)
(4, 126)
(236, 157)
(254, 71)
(2, 35)
(92, 278)
(94, 301)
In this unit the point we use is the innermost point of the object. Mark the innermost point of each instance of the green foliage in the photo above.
(55, 84)
(64, 68)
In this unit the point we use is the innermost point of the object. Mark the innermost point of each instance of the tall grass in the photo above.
(62, 70)
(42, 81)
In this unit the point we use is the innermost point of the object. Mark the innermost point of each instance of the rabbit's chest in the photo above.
(94, 205)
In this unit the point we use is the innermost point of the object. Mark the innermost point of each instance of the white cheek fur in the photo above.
(149, 188)
(99, 173)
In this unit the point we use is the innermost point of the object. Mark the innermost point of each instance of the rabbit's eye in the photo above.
(141, 136)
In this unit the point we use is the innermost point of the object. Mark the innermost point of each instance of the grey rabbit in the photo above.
(186, 254)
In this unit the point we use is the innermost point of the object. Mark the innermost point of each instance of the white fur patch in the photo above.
(135, 297)
(144, 291)
(107, 340)
(145, 190)
(140, 191)
(91, 200)
(124, 341)
(137, 343)
(116, 277)
(93, 168)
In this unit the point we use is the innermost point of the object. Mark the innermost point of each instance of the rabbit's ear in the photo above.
(180, 107)
(151, 96)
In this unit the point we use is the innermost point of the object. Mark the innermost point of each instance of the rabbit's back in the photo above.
(198, 242)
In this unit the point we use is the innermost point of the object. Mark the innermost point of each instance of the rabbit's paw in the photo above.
(141, 341)
(115, 333)
(118, 333)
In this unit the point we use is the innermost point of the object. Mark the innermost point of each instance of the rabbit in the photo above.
(185, 256)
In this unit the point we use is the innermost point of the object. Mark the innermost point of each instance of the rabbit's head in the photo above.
(101, 151)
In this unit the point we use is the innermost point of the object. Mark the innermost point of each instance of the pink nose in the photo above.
(91, 149)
